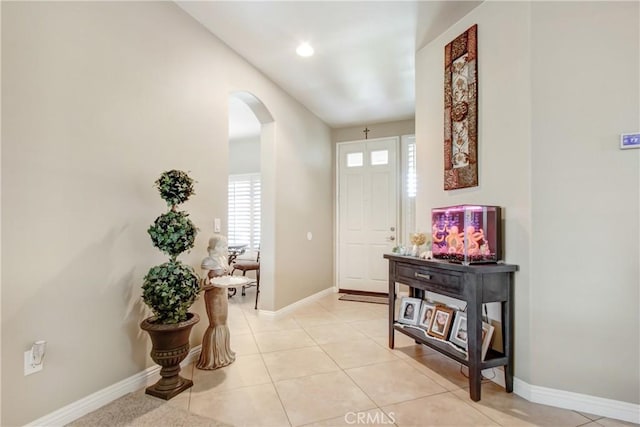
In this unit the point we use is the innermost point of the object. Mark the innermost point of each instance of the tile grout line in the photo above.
(273, 384)
(417, 371)
(341, 369)
(476, 410)
(344, 371)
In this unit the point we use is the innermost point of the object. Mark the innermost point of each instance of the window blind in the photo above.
(411, 170)
(244, 210)
(409, 188)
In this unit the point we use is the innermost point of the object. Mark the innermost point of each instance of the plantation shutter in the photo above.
(244, 210)
(412, 178)
(409, 187)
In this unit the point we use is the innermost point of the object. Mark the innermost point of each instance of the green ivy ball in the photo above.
(170, 289)
(173, 233)
(175, 187)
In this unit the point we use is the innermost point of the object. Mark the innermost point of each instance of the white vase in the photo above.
(415, 250)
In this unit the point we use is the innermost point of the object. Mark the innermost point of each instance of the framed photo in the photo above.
(426, 315)
(459, 334)
(409, 310)
(459, 330)
(441, 322)
(487, 334)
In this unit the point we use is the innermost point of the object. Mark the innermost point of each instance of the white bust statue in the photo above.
(216, 263)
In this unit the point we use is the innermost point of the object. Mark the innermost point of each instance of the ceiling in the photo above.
(363, 70)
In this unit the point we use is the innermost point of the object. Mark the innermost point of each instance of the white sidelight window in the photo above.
(409, 187)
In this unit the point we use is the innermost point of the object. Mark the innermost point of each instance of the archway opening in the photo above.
(251, 213)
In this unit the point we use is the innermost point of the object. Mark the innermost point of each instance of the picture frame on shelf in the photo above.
(459, 330)
(487, 334)
(441, 322)
(459, 333)
(426, 315)
(409, 310)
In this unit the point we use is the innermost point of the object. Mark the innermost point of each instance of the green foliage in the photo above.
(169, 290)
(175, 187)
(173, 233)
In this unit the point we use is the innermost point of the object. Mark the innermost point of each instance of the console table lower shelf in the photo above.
(492, 359)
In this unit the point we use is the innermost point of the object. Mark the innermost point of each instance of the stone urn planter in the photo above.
(170, 348)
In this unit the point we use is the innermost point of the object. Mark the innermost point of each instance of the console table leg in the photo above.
(392, 303)
(391, 322)
(508, 378)
(507, 333)
(475, 382)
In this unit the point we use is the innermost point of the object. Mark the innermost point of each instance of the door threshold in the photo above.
(366, 293)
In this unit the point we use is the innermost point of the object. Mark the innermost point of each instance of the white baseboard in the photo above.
(79, 408)
(568, 400)
(301, 303)
(609, 408)
(495, 375)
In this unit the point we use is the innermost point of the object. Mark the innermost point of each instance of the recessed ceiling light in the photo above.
(304, 49)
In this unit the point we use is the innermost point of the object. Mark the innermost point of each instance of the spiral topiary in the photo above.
(171, 288)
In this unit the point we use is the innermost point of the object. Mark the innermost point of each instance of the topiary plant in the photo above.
(173, 233)
(171, 288)
(175, 187)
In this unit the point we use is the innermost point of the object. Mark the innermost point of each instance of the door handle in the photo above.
(391, 238)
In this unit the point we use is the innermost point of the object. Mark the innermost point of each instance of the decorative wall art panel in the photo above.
(461, 111)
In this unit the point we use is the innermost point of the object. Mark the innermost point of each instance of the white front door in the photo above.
(367, 212)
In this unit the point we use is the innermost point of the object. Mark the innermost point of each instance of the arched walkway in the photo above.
(267, 176)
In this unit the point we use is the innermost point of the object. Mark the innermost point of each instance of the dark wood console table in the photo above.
(475, 284)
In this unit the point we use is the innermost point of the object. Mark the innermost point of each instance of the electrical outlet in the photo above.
(29, 368)
(216, 225)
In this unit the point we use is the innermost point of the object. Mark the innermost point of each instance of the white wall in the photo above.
(244, 155)
(305, 203)
(585, 198)
(98, 98)
(558, 82)
(504, 141)
(376, 130)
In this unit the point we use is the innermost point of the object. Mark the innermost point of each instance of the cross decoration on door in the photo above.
(366, 133)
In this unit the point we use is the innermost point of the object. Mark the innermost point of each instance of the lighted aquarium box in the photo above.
(469, 234)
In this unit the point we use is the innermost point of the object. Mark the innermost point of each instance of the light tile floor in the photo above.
(328, 364)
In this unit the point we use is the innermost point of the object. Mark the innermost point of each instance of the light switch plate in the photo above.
(216, 225)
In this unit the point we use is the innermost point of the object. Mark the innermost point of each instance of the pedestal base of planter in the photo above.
(158, 390)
